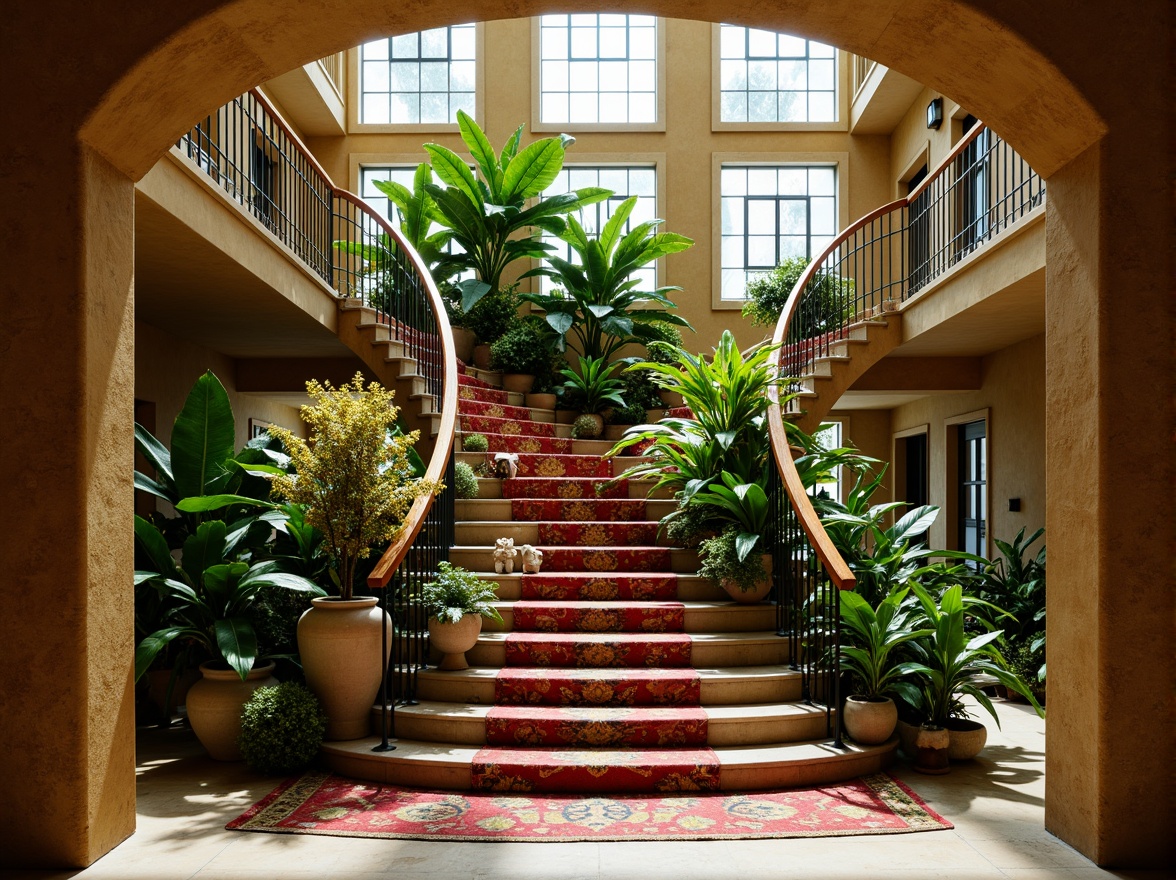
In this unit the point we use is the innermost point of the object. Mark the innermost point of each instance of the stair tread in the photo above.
(743, 673)
(738, 637)
(728, 713)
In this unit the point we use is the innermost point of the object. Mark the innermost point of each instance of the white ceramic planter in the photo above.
(870, 720)
(339, 642)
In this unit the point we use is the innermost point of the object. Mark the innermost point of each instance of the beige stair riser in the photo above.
(705, 652)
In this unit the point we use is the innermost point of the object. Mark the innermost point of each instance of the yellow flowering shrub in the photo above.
(353, 476)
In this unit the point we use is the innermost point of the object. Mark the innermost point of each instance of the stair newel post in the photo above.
(384, 745)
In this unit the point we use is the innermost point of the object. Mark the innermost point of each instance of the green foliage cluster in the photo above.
(494, 315)
(475, 443)
(594, 386)
(525, 348)
(720, 560)
(282, 728)
(456, 592)
(826, 305)
(640, 394)
(670, 338)
(585, 427)
(465, 483)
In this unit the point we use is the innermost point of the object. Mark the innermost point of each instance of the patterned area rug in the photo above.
(318, 803)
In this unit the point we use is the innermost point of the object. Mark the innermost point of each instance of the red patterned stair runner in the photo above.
(597, 692)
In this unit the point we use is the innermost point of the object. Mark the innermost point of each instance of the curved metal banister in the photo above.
(981, 187)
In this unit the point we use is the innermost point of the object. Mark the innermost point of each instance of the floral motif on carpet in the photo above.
(477, 392)
(599, 534)
(531, 465)
(586, 617)
(606, 559)
(597, 687)
(579, 510)
(596, 727)
(318, 803)
(495, 409)
(530, 770)
(489, 425)
(596, 588)
(524, 444)
(563, 487)
(590, 650)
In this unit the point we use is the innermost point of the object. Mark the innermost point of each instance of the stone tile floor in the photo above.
(995, 802)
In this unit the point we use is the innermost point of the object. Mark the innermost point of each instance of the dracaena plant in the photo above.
(742, 508)
(486, 213)
(871, 636)
(599, 303)
(593, 386)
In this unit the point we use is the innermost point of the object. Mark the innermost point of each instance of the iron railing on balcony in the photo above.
(981, 188)
(258, 162)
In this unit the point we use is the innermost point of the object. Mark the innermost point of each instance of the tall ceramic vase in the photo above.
(215, 703)
(339, 642)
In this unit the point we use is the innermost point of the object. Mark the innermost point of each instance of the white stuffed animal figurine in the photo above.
(504, 554)
(532, 559)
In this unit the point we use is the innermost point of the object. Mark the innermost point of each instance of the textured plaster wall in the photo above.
(1051, 75)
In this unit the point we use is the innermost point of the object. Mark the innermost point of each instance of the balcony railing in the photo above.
(862, 68)
(258, 162)
(333, 66)
(981, 189)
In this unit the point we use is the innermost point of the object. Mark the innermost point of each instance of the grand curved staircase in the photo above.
(616, 668)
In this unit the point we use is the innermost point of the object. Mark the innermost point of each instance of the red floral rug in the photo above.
(597, 687)
(593, 650)
(594, 617)
(579, 510)
(593, 587)
(563, 487)
(318, 803)
(606, 559)
(607, 533)
(534, 465)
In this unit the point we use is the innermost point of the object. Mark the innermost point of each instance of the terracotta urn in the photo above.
(931, 750)
(520, 383)
(482, 356)
(454, 639)
(967, 738)
(870, 720)
(215, 703)
(541, 400)
(339, 641)
(463, 344)
(763, 586)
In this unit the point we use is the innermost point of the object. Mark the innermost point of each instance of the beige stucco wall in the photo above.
(1013, 394)
(166, 367)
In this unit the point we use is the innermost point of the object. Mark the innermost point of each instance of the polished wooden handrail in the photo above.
(443, 448)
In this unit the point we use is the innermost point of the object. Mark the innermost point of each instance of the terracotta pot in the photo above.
(565, 416)
(907, 734)
(931, 750)
(762, 587)
(215, 703)
(158, 681)
(671, 399)
(520, 383)
(339, 642)
(967, 738)
(482, 356)
(463, 344)
(454, 639)
(541, 400)
(870, 720)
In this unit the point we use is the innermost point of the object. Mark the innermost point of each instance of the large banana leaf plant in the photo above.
(486, 213)
(599, 303)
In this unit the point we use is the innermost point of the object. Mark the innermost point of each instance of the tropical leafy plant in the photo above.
(493, 315)
(742, 505)
(948, 659)
(355, 476)
(209, 594)
(671, 336)
(485, 213)
(720, 560)
(1016, 582)
(456, 592)
(418, 215)
(871, 635)
(599, 303)
(593, 386)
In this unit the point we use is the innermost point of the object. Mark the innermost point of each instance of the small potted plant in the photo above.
(870, 636)
(747, 579)
(465, 482)
(456, 601)
(475, 443)
(594, 388)
(744, 509)
(494, 315)
(520, 355)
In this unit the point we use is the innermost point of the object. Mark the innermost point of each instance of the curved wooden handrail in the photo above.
(834, 564)
(443, 448)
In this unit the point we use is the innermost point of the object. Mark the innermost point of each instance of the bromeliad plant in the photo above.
(599, 304)
(487, 215)
(355, 476)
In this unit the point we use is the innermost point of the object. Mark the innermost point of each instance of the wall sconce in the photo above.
(935, 114)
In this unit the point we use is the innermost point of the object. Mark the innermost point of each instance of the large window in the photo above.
(420, 78)
(598, 69)
(624, 181)
(767, 77)
(771, 213)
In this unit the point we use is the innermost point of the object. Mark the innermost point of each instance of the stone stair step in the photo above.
(698, 617)
(599, 561)
(501, 509)
(704, 649)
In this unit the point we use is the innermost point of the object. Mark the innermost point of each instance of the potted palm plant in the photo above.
(357, 481)
(871, 636)
(456, 601)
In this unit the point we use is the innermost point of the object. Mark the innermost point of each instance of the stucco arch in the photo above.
(950, 45)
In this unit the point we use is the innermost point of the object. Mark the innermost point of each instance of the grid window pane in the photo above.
(770, 213)
(624, 181)
(419, 78)
(611, 76)
(785, 79)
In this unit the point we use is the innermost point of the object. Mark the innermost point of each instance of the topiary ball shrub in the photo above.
(465, 483)
(281, 728)
(585, 428)
(475, 443)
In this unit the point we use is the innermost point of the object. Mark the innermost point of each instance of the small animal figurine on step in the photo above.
(506, 465)
(504, 554)
(532, 559)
